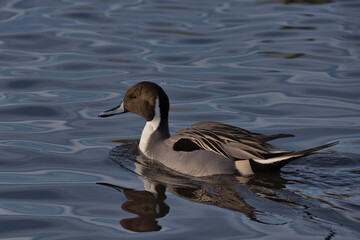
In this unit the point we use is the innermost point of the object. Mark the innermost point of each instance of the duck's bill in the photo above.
(116, 110)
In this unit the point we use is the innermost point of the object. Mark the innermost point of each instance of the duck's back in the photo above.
(229, 141)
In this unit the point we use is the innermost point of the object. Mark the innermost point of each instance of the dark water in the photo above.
(269, 66)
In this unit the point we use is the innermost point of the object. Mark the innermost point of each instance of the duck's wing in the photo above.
(228, 141)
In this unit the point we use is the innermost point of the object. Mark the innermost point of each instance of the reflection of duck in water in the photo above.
(147, 205)
(225, 191)
(205, 148)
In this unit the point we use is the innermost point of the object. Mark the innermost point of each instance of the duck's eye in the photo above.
(133, 97)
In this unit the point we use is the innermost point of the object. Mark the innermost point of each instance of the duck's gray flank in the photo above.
(205, 148)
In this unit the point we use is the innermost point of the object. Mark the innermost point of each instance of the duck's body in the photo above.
(193, 162)
(205, 148)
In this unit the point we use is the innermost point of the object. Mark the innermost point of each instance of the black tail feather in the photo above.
(302, 153)
(309, 151)
(258, 167)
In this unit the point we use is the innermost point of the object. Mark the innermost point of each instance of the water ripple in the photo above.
(67, 147)
(34, 126)
(52, 176)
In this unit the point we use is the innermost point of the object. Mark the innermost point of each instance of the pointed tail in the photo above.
(309, 151)
(277, 160)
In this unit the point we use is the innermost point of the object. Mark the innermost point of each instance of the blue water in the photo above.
(269, 66)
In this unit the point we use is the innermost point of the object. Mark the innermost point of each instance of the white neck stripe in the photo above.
(150, 128)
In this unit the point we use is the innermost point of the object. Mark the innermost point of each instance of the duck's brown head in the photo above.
(143, 99)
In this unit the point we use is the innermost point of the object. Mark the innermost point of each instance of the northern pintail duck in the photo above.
(205, 148)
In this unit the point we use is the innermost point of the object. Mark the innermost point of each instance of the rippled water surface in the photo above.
(269, 66)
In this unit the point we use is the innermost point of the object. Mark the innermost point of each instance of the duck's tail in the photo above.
(275, 161)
